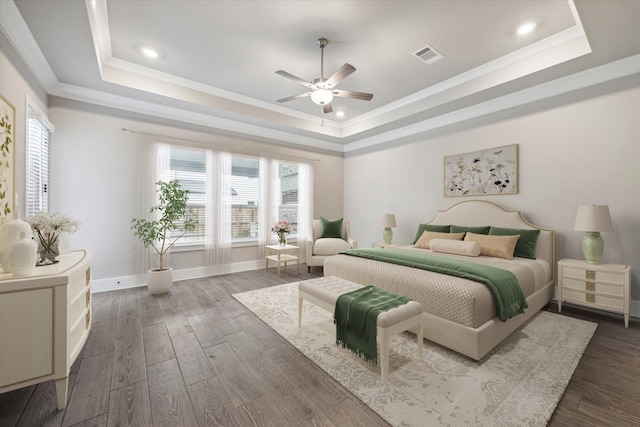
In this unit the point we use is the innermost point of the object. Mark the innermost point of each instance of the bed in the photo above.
(460, 314)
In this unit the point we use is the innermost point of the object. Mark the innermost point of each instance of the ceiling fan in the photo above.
(323, 90)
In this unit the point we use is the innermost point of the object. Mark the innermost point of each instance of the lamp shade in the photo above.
(389, 220)
(593, 218)
(322, 96)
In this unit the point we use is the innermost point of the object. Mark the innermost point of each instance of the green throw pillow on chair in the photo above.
(330, 228)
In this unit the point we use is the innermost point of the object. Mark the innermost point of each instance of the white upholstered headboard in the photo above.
(477, 213)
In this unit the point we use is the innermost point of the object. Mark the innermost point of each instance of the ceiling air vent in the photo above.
(428, 55)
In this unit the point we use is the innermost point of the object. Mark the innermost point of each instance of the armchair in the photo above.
(318, 249)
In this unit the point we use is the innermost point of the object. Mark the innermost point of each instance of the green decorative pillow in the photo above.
(330, 228)
(526, 246)
(430, 227)
(476, 230)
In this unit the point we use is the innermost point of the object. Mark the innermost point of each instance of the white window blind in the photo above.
(37, 167)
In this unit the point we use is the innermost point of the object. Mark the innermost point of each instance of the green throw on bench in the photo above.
(356, 315)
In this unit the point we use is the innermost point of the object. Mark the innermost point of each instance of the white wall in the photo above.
(95, 177)
(581, 152)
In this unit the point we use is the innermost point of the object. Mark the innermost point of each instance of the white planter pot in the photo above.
(160, 282)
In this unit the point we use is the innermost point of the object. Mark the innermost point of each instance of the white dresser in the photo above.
(45, 319)
(598, 286)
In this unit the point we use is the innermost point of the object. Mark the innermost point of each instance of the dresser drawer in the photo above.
(592, 287)
(587, 298)
(78, 306)
(79, 328)
(594, 275)
(79, 282)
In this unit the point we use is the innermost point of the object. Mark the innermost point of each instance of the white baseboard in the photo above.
(115, 283)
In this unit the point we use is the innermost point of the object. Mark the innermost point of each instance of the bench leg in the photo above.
(299, 312)
(383, 339)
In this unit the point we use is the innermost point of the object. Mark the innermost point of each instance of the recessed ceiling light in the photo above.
(526, 28)
(339, 113)
(148, 52)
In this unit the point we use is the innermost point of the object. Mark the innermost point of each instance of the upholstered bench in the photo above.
(324, 292)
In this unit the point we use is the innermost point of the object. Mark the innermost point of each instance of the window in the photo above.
(189, 167)
(245, 196)
(286, 194)
(236, 197)
(37, 167)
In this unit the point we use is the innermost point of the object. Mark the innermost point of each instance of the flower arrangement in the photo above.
(281, 228)
(48, 227)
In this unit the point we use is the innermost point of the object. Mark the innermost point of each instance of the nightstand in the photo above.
(599, 286)
(281, 256)
(385, 245)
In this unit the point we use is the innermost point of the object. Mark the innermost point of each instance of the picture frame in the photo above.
(7, 139)
(493, 171)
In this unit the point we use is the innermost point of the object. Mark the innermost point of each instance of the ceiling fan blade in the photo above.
(326, 108)
(294, 78)
(351, 94)
(345, 71)
(291, 98)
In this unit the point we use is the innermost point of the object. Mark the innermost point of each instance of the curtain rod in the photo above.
(220, 146)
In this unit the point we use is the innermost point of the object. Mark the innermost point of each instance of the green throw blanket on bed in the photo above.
(503, 284)
(356, 315)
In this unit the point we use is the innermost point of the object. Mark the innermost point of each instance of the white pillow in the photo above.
(458, 247)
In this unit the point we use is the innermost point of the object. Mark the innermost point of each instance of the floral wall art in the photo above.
(7, 132)
(486, 172)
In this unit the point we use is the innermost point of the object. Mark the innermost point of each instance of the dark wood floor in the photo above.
(197, 357)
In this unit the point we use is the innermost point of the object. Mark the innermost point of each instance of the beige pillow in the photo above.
(423, 241)
(457, 247)
(497, 246)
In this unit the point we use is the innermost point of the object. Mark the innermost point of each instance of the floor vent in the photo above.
(428, 55)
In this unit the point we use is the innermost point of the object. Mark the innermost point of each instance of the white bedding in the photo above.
(540, 267)
(456, 299)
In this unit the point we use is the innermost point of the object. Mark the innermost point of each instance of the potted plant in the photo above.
(173, 221)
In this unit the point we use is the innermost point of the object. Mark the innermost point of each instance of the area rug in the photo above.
(518, 384)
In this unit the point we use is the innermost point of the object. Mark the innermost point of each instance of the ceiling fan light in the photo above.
(322, 96)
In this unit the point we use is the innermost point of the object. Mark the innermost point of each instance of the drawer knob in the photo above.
(591, 298)
(88, 319)
(591, 286)
(590, 274)
(88, 276)
(88, 298)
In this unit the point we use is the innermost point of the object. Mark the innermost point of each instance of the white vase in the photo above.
(23, 255)
(160, 281)
(10, 233)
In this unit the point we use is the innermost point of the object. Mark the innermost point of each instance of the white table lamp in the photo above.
(593, 219)
(388, 221)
